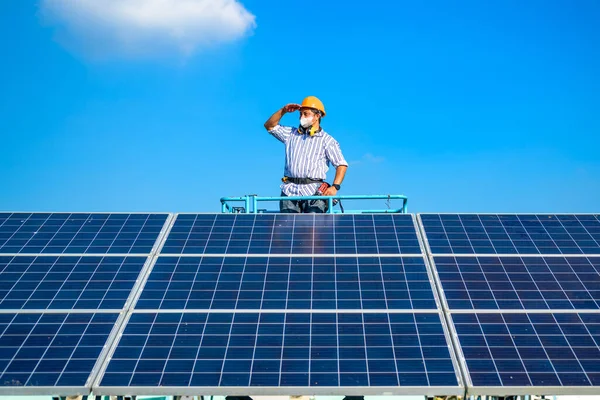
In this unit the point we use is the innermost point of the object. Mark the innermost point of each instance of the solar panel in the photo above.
(67, 282)
(204, 283)
(66, 233)
(520, 282)
(512, 233)
(303, 352)
(51, 350)
(292, 234)
(531, 350)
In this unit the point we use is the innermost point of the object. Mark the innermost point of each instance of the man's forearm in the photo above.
(274, 119)
(340, 173)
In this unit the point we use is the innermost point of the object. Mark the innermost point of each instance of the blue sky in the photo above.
(463, 107)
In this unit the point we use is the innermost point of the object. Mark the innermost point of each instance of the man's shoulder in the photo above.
(327, 136)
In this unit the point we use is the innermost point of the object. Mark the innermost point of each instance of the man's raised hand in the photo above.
(291, 107)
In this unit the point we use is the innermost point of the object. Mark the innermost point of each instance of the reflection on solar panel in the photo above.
(67, 282)
(64, 233)
(281, 350)
(292, 234)
(288, 283)
(512, 234)
(531, 349)
(51, 349)
(520, 282)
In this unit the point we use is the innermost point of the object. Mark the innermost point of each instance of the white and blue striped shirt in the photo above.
(307, 157)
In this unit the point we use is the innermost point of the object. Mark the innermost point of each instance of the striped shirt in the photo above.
(307, 157)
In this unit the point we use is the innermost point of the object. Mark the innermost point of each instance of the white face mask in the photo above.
(306, 122)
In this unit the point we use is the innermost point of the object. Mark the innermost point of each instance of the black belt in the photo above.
(301, 181)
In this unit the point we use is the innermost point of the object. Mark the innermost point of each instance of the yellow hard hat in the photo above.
(313, 102)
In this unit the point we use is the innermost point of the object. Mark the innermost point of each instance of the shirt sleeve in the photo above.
(334, 154)
(281, 133)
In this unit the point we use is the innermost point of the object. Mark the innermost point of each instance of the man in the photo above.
(308, 152)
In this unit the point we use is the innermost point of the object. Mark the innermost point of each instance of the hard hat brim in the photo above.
(313, 108)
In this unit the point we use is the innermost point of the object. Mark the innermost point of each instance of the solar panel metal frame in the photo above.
(97, 389)
(163, 230)
(472, 390)
(429, 251)
(68, 390)
(415, 222)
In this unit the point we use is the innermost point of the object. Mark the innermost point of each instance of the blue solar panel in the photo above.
(512, 234)
(67, 282)
(281, 350)
(204, 283)
(520, 282)
(538, 350)
(292, 234)
(51, 350)
(65, 233)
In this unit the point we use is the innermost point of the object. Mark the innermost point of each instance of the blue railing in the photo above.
(250, 203)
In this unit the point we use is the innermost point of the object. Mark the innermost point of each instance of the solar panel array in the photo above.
(51, 349)
(288, 283)
(292, 234)
(527, 282)
(522, 293)
(278, 350)
(527, 349)
(299, 304)
(79, 233)
(66, 280)
(512, 233)
(289, 304)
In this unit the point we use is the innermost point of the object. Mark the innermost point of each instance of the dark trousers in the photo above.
(302, 206)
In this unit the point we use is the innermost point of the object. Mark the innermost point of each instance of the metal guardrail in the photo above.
(250, 203)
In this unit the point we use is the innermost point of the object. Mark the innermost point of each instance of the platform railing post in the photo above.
(330, 205)
(247, 204)
(254, 204)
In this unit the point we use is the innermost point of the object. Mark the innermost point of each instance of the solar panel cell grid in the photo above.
(278, 349)
(64, 233)
(288, 283)
(531, 349)
(520, 282)
(67, 282)
(51, 349)
(512, 234)
(292, 234)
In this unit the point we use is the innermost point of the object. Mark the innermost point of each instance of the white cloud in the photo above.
(134, 28)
